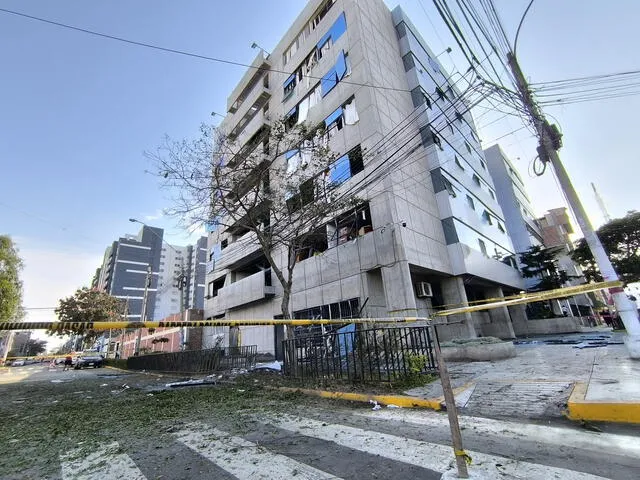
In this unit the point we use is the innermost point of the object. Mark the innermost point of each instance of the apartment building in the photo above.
(515, 203)
(556, 229)
(429, 230)
(129, 260)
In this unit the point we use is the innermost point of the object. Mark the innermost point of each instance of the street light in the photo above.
(182, 283)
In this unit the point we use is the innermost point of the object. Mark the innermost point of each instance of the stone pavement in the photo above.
(543, 379)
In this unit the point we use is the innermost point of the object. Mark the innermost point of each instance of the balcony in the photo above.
(252, 127)
(250, 107)
(243, 247)
(249, 289)
(252, 76)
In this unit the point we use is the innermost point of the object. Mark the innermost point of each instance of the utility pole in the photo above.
(143, 312)
(550, 143)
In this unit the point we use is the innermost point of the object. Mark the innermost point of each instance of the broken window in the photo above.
(346, 166)
(471, 203)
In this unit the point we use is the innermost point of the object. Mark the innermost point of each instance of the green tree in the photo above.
(34, 347)
(89, 305)
(10, 284)
(539, 262)
(621, 240)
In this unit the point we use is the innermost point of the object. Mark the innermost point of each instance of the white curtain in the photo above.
(303, 110)
(314, 97)
(350, 113)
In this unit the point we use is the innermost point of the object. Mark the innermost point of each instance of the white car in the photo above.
(18, 363)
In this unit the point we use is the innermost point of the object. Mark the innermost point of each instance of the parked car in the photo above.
(89, 359)
(18, 363)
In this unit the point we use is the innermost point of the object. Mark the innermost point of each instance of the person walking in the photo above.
(67, 363)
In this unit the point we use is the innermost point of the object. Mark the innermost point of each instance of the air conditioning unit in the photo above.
(423, 290)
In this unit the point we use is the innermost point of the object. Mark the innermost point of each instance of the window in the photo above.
(486, 218)
(493, 195)
(501, 228)
(333, 34)
(224, 244)
(334, 75)
(471, 203)
(483, 247)
(476, 179)
(290, 85)
(346, 166)
(449, 187)
(450, 128)
(408, 62)
(440, 93)
(459, 117)
(458, 163)
(483, 165)
(468, 147)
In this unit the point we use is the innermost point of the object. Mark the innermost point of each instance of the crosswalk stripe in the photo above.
(599, 442)
(106, 462)
(422, 454)
(244, 459)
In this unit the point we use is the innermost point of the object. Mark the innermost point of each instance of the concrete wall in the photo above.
(547, 326)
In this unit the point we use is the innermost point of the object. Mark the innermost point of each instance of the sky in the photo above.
(77, 112)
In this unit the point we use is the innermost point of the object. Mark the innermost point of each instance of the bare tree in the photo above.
(282, 185)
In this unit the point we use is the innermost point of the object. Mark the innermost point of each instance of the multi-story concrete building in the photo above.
(131, 259)
(515, 203)
(429, 230)
(556, 228)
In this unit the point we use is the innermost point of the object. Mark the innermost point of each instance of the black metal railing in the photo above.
(371, 355)
(197, 361)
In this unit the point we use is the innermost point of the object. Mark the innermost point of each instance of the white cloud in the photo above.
(154, 216)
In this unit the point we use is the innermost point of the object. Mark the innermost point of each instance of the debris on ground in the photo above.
(275, 366)
(391, 405)
(376, 405)
(192, 382)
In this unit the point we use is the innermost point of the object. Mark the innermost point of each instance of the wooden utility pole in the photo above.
(452, 410)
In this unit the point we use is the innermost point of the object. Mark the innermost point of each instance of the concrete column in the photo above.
(501, 325)
(454, 294)
(398, 290)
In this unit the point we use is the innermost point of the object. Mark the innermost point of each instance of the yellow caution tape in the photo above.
(62, 327)
(462, 453)
(532, 297)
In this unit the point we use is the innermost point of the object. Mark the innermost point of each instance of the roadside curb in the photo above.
(578, 408)
(403, 401)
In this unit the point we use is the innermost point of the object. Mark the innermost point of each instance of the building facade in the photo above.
(515, 203)
(556, 229)
(129, 261)
(429, 230)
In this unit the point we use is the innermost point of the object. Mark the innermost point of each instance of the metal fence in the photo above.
(377, 355)
(197, 361)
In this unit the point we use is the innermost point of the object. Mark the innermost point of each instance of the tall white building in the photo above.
(429, 231)
(520, 219)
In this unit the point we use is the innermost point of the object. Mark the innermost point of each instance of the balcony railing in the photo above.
(250, 289)
(241, 248)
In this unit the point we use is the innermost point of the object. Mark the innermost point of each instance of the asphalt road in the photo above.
(105, 424)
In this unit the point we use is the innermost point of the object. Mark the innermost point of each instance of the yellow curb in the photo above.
(404, 401)
(578, 408)
(119, 369)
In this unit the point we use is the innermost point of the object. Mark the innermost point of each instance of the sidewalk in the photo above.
(550, 380)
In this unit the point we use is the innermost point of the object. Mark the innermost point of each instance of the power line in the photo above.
(183, 52)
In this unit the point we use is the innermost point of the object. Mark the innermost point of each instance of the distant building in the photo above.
(131, 259)
(556, 227)
(512, 196)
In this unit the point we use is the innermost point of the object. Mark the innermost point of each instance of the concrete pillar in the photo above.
(501, 325)
(398, 290)
(454, 295)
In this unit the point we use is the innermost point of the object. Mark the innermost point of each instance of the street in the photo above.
(110, 424)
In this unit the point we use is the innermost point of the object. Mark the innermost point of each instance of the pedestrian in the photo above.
(67, 363)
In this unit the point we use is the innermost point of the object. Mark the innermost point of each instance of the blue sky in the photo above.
(77, 111)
